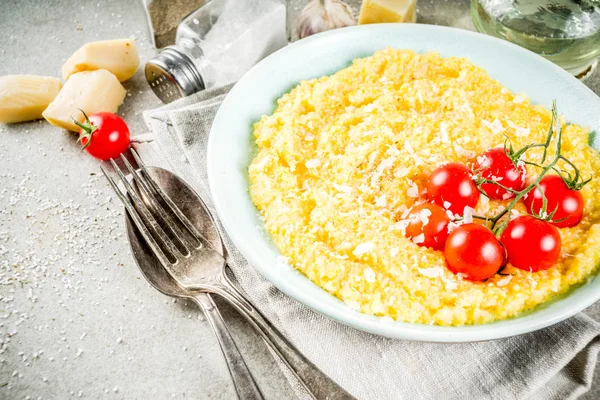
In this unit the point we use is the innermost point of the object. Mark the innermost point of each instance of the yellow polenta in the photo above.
(344, 156)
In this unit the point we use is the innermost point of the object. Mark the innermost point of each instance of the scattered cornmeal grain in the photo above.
(342, 157)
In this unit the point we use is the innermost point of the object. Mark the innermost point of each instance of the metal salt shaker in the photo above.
(216, 45)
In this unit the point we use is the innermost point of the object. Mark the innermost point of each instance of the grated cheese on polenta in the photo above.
(343, 157)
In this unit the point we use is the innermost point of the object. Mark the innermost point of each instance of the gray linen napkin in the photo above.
(554, 363)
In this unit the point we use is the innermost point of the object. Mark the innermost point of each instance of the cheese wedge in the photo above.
(90, 91)
(25, 97)
(117, 56)
(378, 11)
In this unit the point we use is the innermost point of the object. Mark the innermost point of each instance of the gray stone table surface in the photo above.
(77, 319)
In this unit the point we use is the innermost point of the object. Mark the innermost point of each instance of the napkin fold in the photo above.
(554, 363)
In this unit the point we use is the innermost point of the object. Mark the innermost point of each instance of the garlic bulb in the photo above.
(323, 15)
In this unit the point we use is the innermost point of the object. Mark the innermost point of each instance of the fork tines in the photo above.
(152, 211)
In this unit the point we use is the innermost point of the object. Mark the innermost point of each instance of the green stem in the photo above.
(574, 182)
(545, 169)
(518, 154)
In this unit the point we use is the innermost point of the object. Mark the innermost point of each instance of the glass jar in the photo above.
(566, 32)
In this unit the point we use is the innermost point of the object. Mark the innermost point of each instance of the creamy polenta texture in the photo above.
(342, 158)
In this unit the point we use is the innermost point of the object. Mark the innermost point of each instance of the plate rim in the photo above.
(402, 330)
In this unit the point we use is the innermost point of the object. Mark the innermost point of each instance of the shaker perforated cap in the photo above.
(173, 75)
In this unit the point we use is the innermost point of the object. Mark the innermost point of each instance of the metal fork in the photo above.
(195, 265)
(245, 386)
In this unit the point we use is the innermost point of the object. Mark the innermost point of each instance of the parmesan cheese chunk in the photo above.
(378, 11)
(117, 56)
(314, 163)
(363, 248)
(25, 97)
(90, 91)
(432, 272)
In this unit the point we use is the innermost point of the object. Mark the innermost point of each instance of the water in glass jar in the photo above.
(566, 32)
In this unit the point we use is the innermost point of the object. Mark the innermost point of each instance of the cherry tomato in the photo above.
(568, 203)
(495, 165)
(531, 244)
(451, 187)
(473, 250)
(104, 135)
(431, 221)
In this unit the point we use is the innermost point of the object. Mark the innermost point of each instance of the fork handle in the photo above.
(244, 383)
(318, 385)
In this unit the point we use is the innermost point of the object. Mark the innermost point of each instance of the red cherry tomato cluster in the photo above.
(472, 250)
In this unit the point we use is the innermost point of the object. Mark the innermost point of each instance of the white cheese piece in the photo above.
(25, 97)
(413, 189)
(401, 172)
(453, 225)
(520, 98)
(393, 151)
(484, 161)
(419, 238)
(313, 163)
(378, 11)
(363, 248)
(464, 152)
(468, 215)
(117, 56)
(260, 165)
(504, 281)
(90, 91)
(444, 132)
(405, 211)
(342, 188)
(424, 216)
(495, 127)
(401, 225)
(433, 272)
(450, 285)
(520, 131)
(381, 201)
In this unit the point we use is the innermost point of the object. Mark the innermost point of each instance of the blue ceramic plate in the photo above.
(230, 150)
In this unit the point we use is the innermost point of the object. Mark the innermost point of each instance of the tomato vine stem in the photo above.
(573, 180)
